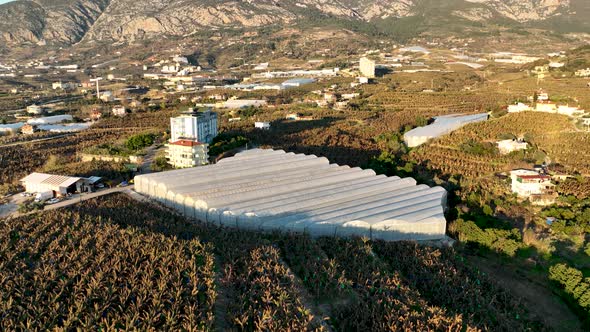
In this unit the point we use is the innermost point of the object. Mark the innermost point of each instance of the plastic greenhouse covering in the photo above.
(272, 190)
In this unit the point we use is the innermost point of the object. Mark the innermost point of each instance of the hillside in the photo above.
(115, 263)
(25, 23)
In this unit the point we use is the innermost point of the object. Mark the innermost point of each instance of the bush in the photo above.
(223, 143)
(500, 240)
(30, 207)
(573, 282)
(140, 141)
(478, 148)
(160, 164)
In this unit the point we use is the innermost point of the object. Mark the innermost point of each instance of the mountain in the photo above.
(66, 22)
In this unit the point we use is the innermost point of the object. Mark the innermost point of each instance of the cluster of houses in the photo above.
(543, 104)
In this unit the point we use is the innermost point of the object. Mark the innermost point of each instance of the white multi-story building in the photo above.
(196, 126)
(186, 153)
(367, 67)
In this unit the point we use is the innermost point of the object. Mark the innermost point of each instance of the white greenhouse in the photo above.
(273, 190)
(442, 125)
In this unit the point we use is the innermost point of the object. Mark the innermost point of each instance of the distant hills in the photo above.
(67, 22)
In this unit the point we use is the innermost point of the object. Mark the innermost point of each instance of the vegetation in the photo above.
(30, 206)
(574, 284)
(16, 161)
(164, 267)
(140, 141)
(225, 142)
(64, 270)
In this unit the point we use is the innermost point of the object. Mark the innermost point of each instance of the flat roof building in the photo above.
(195, 126)
(58, 184)
(186, 153)
(367, 67)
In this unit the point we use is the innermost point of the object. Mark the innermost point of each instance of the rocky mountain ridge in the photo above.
(68, 22)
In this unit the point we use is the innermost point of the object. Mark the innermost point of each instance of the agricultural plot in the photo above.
(549, 134)
(64, 270)
(130, 265)
(18, 160)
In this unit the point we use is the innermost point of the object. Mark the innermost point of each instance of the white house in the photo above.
(363, 80)
(107, 96)
(547, 107)
(543, 96)
(530, 184)
(583, 72)
(119, 111)
(570, 111)
(556, 64)
(63, 86)
(519, 107)
(509, 145)
(262, 125)
(34, 109)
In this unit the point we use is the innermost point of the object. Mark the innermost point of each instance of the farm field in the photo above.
(16, 161)
(60, 270)
(550, 134)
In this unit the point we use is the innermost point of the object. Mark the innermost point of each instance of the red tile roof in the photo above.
(186, 142)
(532, 177)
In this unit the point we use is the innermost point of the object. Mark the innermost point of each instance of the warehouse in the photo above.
(273, 190)
(442, 125)
(58, 184)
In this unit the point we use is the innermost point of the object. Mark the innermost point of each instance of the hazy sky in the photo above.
(4, 1)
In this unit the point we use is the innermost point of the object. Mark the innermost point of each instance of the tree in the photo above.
(140, 141)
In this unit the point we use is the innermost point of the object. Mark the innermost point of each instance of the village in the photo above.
(203, 92)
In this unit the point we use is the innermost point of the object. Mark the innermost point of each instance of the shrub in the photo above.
(140, 141)
(574, 284)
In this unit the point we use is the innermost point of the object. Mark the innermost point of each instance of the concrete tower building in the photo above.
(197, 126)
(367, 67)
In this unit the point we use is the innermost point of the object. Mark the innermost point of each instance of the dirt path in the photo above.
(537, 298)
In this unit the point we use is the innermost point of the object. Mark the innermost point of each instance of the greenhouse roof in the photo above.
(273, 190)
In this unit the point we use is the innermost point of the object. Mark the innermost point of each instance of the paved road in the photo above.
(79, 198)
(148, 159)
